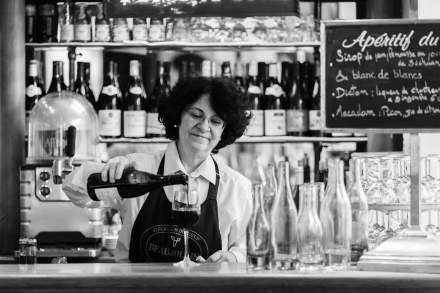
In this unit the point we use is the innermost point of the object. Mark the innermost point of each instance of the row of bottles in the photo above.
(331, 227)
(133, 114)
(70, 20)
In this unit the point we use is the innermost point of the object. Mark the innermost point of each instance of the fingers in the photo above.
(113, 170)
(200, 259)
(222, 256)
(215, 257)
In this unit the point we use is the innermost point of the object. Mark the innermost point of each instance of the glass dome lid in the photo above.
(48, 124)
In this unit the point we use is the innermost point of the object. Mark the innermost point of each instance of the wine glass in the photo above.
(185, 212)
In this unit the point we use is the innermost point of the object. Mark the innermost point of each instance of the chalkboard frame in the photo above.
(323, 49)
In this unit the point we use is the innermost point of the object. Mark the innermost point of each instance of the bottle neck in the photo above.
(308, 199)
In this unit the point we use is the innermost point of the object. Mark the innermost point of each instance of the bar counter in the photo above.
(230, 278)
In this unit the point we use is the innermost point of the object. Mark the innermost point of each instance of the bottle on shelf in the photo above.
(140, 29)
(335, 215)
(238, 77)
(110, 104)
(102, 26)
(135, 104)
(286, 76)
(30, 23)
(296, 103)
(262, 78)
(270, 188)
(57, 83)
(226, 70)
(65, 21)
(192, 69)
(275, 111)
(81, 85)
(46, 23)
(34, 89)
(284, 221)
(306, 166)
(82, 24)
(183, 70)
(298, 173)
(254, 96)
(120, 30)
(160, 91)
(133, 183)
(206, 68)
(315, 123)
(157, 30)
(359, 213)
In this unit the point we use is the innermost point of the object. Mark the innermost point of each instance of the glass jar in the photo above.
(27, 251)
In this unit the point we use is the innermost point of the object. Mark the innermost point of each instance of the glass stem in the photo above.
(185, 239)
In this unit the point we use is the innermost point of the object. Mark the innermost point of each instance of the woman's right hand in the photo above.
(113, 169)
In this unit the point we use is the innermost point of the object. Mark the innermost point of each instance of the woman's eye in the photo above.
(195, 115)
(216, 122)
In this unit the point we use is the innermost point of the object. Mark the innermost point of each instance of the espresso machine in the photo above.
(63, 134)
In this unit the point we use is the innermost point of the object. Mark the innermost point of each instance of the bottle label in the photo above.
(120, 33)
(110, 90)
(256, 125)
(33, 90)
(102, 33)
(315, 120)
(135, 90)
(107, 194)
(83, 32)
(157, 33)
(109, 122)
(140, 32)
(275, 122)
(253, 89)
(67, 32)
(296, 120)
(153, 124)
(135, 123)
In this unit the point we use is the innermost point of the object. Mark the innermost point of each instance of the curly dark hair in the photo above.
(227, 102)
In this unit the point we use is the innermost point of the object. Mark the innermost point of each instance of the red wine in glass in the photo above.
(185, 219)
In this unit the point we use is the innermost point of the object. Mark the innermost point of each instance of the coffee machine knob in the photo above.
(44, 176)
(45, 190)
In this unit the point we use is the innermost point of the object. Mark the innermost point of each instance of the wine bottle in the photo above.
(34, 89)
(133, 183)
(57, 83)
(315, 126)
(46, 23)
(275, 112)
(183, 70)
(296, 102)
(30, 23)
(102, 27)
(160, 91)
(109, 104)
(140, 29)
(65, 21)
(81, 85)
(238, 77)
(226, 69)
(254, 96)
(135, 104)
(83, 30)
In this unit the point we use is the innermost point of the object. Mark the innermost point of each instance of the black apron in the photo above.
(155, 238)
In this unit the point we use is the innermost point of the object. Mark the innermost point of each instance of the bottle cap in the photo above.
(301, 56)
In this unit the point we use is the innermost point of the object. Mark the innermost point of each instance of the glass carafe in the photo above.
(258, 233)
(310, 249)
(284, 222)
(335, 217)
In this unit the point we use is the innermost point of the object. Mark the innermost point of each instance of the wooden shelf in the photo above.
(173, 45)
(249, 139)
(390, 207)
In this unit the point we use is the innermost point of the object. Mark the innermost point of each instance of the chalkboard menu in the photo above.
(181, 8)
(381, 74)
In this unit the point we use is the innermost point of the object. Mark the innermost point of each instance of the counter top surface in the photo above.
(109, 277)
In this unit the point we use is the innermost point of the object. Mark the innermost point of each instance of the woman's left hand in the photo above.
(219, 256)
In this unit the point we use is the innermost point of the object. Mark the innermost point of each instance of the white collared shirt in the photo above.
(234, 197)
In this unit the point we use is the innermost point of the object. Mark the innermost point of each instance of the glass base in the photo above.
(284, 264)
(186, 262)
(258, 263)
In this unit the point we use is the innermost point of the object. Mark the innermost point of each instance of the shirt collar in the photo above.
(174, 164)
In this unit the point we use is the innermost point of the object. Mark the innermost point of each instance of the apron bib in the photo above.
(155, 237)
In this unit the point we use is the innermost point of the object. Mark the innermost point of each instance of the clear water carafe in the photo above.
(284, 222)
(310, 247)
(335, 217)
(258, 233)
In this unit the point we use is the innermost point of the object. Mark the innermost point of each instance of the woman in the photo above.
(200, 116)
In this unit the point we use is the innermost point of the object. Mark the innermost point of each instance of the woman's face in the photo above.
(201, 128)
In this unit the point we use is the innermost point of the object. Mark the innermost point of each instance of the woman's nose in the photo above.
(204, 124)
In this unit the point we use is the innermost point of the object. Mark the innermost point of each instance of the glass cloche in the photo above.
(48, 124)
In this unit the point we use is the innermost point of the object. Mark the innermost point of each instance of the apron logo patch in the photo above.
(175, 240)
